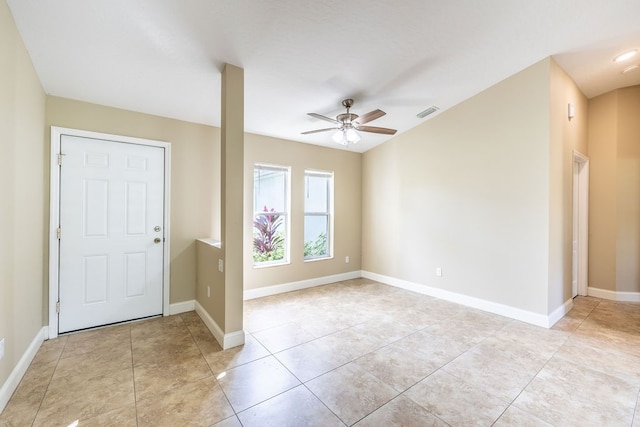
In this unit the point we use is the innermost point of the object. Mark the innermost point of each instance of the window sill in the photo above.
(318, 259)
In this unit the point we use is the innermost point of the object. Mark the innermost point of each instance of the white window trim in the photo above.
(328, 214)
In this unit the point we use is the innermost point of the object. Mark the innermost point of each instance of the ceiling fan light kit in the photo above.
(348, 125)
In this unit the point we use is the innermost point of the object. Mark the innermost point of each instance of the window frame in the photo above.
(286, 215)
(328, 213)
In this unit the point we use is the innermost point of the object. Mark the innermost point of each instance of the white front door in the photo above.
(111, 232)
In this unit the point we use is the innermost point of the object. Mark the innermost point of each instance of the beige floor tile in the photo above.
(151, 379)
(501, 364)
(606, 359)
(351, 343)
(69, 398)
(121, 417)
(440, 349)
(162, 325)
(229, 422)
(569, 323)
(201, 403)
(21, 409)
(95, 363)
(350, 392)
(396, 367)
(159, 349)
(385, 329)
(401, 412)
(50, 350)
(397, 338)
(296, 407)
(567, 394)
(516, 417)
(255, 382)
(222, 360)
(311, 359)
(283, 337)
(545, 342)
(101, 340)
(455, 401)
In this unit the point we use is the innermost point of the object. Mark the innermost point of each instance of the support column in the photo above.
(232, 162)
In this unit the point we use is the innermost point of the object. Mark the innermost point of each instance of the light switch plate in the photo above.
(1, 348)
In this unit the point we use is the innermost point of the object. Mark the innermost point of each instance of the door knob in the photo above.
(157, 240)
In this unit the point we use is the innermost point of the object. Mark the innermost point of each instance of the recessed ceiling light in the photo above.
(631, 68)
(626, 55)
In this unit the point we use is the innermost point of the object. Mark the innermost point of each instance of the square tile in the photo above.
(220, 360)
(200, 403)
(255, 382)
(516, 417)
(283, 337)
(456, 402)
(567, 394)
(396, 367)
(154, 378)
(401, 412)
(69, 398)
(350, 392)
(296, 407)
(505, 365)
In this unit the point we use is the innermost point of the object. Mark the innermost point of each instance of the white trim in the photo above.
(614, 295)
(54, 211)
(580, 238)
(560, 312)
(302, 284)
(489, 306)
(226, 341)
(11, 384)
(182, 307)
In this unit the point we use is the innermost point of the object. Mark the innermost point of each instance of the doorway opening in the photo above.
(580, 256)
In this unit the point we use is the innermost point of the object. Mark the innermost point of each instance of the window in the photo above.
(270, 214)
(317, 214)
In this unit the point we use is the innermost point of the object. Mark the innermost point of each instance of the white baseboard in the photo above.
(226, 341)
(302, 284)
(559, 313)
(489, 306)
(18, 372)
(182, 307)
(613, 295)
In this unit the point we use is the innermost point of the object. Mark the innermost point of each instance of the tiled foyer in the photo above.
(355, 352)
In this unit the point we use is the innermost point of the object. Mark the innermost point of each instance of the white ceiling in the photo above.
(164, 57)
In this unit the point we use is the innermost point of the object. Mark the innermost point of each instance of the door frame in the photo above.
(580, 256)
(54, 213)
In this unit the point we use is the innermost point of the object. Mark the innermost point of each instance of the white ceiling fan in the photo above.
(348, 125)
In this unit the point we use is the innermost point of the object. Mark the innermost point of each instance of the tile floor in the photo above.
(355, 352)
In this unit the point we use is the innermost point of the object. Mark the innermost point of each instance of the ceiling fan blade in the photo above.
(318, 130)
(370, 116)
(374, 129)
(321, 117)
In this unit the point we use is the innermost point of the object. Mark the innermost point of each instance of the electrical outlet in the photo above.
(346, 259)
(1, 348)
(439, 271)
(220, 265)
(208, 291)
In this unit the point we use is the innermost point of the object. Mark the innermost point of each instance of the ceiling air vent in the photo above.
(428, 111)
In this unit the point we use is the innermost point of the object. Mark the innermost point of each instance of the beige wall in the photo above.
(468, 191)
(195, 175)
(23, 210)
(346, 166)
(565, 137)
(614, 204)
